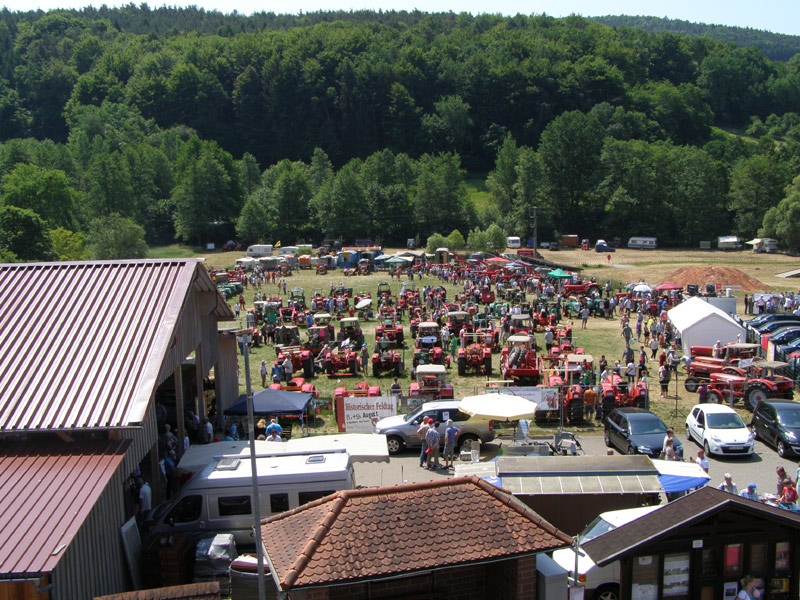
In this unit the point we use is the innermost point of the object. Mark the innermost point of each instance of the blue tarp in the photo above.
(273, 402)
(677, 476)
(680, 483)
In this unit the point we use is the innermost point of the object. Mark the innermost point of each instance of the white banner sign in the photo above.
(361, 413)
(544, 398)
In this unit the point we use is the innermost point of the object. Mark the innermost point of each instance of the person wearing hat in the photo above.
(450, 434)
(751, 493)
(728, 485)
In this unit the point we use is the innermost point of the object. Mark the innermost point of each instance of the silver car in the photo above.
(401, 430)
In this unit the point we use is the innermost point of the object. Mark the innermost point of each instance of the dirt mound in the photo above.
(719, 274)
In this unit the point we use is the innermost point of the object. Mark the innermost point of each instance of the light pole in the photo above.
(244, 335)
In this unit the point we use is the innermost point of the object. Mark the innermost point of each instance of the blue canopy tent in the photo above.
(676, 476)
(273, 402)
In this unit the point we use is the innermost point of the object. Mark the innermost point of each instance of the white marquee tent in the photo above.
(702, 324)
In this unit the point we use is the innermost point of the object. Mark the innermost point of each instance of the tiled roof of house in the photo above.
(661, 522)
(371, 533)
(193, 591)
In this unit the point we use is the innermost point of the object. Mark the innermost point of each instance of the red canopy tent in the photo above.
(668, 286)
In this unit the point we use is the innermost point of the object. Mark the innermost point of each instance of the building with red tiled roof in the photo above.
(459, 537)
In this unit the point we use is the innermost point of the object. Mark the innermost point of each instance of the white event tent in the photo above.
(702, 324)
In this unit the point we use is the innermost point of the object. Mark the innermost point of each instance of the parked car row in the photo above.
(782, 329)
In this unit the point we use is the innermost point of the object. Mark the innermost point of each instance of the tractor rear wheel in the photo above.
(398, 368)
(462, 366)
(753, 394)
(714, 397)
(691, 384)
(329, 368)
(487, 366)
(308, 368)
(354, 367)
(576, 411)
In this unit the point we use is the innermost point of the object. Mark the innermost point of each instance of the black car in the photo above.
(766, 318)
(637, 431)
(785, 335)
(777, 423)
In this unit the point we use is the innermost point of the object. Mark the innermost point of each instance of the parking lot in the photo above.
(758, 468)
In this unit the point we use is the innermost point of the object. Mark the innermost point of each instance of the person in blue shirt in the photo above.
(450, 433)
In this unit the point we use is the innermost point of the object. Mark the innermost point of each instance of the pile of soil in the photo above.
(720, 274)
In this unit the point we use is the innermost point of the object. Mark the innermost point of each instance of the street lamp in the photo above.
(244, 337)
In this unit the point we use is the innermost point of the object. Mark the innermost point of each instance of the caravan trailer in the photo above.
(218, 498)
(259, 250)
(643, 243)
(512, 241)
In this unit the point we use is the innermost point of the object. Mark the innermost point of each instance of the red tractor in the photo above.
(341, 361)
(302, 359)
(755, 382)
(431, 383)
(703, 364)
(321, 333)
(585, 288)
(487, 295)
(350, 329)
(418, 315)
(484, 324)
(566, 376)
(521, 324)
(477, 355)
(617, 392)
(429, 349)
(389, 329)
(519, 362)
(458, 320)
(297, 384)
(385, 360)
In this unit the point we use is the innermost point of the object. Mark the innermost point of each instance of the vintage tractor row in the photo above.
(704, 365)
(752, 382)
(566, 377)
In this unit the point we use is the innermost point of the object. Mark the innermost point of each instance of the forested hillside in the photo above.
(776, 46)
(126, 126)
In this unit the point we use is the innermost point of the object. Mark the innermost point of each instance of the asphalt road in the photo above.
(759, 468)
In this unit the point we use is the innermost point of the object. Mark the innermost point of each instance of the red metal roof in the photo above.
(46, 493)
(371, 533)
(83, 342)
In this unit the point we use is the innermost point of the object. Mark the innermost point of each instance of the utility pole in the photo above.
(532, 214)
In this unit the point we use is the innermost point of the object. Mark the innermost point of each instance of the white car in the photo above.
(719, 430)
(600, 583)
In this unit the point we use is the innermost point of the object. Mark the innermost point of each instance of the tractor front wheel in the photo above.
(462, 366)
(487, 366)
(754, 394)
(691, 384)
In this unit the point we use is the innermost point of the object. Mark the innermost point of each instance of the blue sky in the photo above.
(780, 16)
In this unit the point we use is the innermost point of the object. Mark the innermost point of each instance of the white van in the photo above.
(219, 498)
(599, 582)
(259, 250)
(643, 243)
(512, 242)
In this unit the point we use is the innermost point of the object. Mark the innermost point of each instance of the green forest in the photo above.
(122, 129)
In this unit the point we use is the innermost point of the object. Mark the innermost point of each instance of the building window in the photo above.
(305, 497)
(186, 511)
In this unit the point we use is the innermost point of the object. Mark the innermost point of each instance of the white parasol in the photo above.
(500, 407)
(364, 303)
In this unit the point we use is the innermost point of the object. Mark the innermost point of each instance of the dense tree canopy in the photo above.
(198, 126)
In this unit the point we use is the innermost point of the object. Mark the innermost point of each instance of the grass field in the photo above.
(601, 337)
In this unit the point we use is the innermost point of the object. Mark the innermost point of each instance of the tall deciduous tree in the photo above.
(44, 191)
(115, 237)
